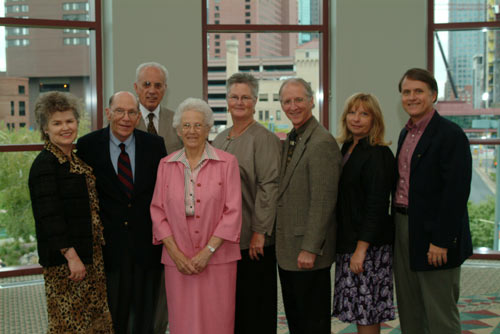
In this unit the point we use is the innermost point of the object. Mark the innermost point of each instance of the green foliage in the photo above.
(10, 252)
(481, 218)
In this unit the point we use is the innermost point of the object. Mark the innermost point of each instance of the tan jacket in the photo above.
(172, 141)
(306, 199)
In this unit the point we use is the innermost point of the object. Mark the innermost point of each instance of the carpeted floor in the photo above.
(22, 304)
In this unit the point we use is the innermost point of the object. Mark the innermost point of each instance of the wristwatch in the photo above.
(211, 249)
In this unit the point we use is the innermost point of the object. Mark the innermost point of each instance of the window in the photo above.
(270, 55)
(276, 97)
(75, 6)
(17, 42)
(260, 115)
(217, 43)
(278, 115)
(463, 44)
(267, 115)
(22, 108)
(263, 97)
(216, 15)
(40, 61)
(50, 86)
(76, 41)
(216, 22)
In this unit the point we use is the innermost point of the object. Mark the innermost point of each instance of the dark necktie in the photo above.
(292, 137)
(151, 124)
(125, 171)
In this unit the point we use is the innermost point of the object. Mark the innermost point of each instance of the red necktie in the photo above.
(125, 171)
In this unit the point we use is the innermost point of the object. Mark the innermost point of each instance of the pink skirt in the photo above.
(203, 303)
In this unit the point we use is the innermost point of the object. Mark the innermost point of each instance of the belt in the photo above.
(402, 210)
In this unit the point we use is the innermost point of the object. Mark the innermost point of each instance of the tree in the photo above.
(481, 216)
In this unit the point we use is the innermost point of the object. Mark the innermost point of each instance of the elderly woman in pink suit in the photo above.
(196, 212)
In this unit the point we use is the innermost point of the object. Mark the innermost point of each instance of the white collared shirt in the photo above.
(145, 112)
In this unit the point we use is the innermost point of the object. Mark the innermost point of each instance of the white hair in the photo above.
(194, 104)
(159, 66)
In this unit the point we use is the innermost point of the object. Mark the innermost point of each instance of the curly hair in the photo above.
(49, 103)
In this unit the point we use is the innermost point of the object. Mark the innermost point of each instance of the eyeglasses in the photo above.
(132, 114)
(296, 101)
(156, 85)
(196, 126)
(236, 98)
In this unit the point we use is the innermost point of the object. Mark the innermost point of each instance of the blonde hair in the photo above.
(370, 104)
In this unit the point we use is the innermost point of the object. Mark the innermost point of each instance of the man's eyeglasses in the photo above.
(132, 114)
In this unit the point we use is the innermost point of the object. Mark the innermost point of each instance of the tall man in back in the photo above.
(305, 222)
(434, 167)
(150, 86)
(125, 161)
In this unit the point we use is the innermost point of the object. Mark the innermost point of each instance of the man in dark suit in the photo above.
(430, 203)
(150, 86)
(125, 162)
(305, 222)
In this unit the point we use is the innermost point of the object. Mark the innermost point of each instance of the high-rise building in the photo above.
(464, 47)
(252, 12)
(309, 12)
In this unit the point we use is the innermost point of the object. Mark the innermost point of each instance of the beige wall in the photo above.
(373, 44)
(168, 32)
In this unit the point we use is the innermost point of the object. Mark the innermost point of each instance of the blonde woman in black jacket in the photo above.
(68, 227)
(363, 274)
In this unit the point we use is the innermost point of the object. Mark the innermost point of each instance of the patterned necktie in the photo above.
(125, 171)
(151, 124)
(292, 137)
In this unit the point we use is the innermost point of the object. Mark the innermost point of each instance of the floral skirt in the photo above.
(365, 298)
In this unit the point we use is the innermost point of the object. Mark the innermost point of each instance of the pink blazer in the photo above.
(217, 208)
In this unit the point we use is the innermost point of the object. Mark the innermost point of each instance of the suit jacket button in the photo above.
(129, 205)
(125, 223)
(199, 184)
(197, 216)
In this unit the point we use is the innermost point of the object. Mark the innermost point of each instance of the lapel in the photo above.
(425, 140)
(107, 166)
(297, 155)
(140, 156)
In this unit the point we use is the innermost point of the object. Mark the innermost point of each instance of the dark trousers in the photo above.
(132, 296)
(161, 314)
(256, 294)
(307, 299)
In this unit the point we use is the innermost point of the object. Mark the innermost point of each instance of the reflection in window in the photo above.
(21, 90)
(60, 87)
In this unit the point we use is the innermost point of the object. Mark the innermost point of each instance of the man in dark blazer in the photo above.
(131, 262)
(434, 167)
(150, 86)
(305, 223)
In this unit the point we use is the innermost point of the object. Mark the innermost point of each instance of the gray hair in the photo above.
(300, 81)
(49, 103)
(244, 78)
(159, 66)
(194, 104)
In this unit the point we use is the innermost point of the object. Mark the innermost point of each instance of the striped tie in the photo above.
(125, 172)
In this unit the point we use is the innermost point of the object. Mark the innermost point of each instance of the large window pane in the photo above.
(305, 12)
(228, 54)
(47, 63)
(467, 68)
(456, 11)
(77, 10)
